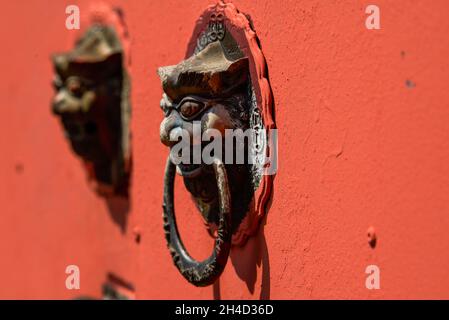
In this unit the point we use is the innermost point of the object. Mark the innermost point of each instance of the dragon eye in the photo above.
(73, 84)
(190, 109)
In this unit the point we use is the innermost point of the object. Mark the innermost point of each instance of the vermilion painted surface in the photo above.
(363, 141)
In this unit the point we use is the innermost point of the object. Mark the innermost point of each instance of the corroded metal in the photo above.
(91, 100)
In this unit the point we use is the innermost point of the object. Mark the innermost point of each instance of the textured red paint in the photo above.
(358, 147)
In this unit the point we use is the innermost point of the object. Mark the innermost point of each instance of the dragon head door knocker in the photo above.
(221, 85)
(91, 101)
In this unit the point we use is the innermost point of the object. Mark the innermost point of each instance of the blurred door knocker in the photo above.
(92, 101)
(222, 84)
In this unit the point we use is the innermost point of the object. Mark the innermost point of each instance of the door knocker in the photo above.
(220, 87)
(92, 102)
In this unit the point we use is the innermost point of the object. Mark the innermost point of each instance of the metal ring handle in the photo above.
(199, 273)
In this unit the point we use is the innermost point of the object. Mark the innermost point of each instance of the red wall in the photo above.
(358, 147)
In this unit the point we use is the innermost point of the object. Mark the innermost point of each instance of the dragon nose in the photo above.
(170, 127)
(58, 104)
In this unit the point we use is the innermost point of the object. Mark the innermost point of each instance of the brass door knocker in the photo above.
(220, 87)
